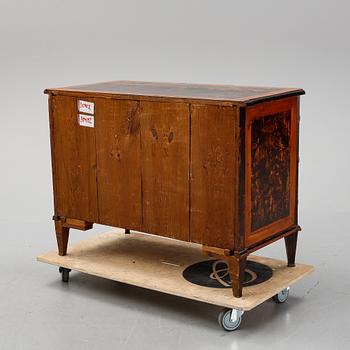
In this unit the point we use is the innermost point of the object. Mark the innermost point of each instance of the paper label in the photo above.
(86, 107)
(86, 120)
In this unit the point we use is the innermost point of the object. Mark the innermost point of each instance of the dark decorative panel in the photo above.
(270, 169)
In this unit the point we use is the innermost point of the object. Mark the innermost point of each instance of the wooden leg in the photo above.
(62, 235)
(62, 226)
(236, 267)
(127, 231)
(291, 246)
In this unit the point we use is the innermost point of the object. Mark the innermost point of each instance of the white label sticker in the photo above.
(86, 107)
(86, 120)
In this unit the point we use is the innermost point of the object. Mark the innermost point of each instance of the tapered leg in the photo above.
(127, 231)
(62, 235)
(236, 267)
(291, 246)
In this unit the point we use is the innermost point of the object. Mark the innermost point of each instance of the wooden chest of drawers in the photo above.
(215, 165)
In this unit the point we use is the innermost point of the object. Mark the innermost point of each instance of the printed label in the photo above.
(86, 107)
(86, 120)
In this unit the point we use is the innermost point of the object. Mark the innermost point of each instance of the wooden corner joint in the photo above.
(291, 231)
(73, 223)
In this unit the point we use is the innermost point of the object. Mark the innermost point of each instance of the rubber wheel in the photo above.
(281, 297)
(225, 320)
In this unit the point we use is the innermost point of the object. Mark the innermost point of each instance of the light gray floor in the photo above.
(38, 311)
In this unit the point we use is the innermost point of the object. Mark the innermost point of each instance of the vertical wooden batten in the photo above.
(189, 171)
(239, 235)
(165, 159)
(119, 162)
(74, 162)
(213, 175)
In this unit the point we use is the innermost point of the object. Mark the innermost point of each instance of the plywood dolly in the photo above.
(158, 264)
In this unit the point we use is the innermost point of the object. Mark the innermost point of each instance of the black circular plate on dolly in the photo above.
(214, 274)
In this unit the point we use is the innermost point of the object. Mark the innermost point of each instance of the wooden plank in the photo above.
(74, 162)
(166, 91)
(213, 251)
(213, 175)
(165, 168)
(157, 263)
(119, 163)
(77, 224)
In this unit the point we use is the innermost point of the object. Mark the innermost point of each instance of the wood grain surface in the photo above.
(213, 175)
(165, 168)
(74, 162)
(119, 163)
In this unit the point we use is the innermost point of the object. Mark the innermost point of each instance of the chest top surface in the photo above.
(243, 95)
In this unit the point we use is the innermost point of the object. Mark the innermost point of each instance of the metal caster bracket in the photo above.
(282, 296)
(230, 319)
(65, 273)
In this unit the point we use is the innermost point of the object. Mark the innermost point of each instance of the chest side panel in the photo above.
(117, 126)
(271, 155)
(165, 142)
(74, 161)
(213, 176)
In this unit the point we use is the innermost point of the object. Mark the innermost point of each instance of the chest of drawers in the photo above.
(210, 164)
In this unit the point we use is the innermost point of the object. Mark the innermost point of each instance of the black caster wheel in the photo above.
(282, 296)
(230, 319)
(65, 273)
